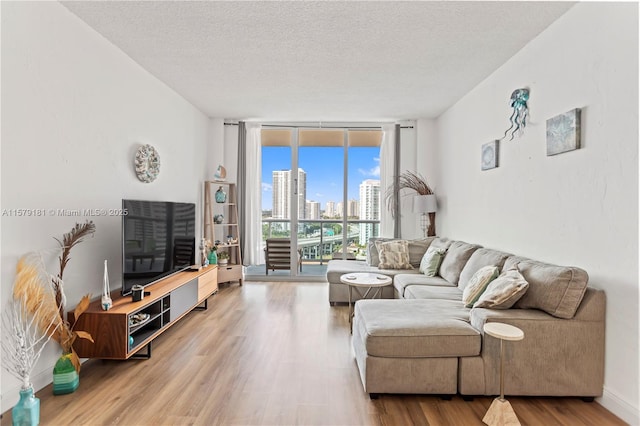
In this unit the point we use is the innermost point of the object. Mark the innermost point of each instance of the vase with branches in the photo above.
(29, 321)
(67, 368)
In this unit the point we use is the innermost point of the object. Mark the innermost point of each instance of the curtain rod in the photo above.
(322, 127)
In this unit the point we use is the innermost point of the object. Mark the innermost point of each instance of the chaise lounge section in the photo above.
(425, 340)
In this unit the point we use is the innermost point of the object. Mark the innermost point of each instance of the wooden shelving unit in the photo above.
(115, 333)
(226, 230)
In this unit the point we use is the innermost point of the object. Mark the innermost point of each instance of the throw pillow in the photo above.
(373, 259)
(431, 261)
(393, 254)
(478, 284)
(504, 291)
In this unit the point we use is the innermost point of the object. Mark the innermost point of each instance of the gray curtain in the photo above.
(242, 184)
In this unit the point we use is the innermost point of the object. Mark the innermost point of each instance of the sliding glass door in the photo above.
(321, 190)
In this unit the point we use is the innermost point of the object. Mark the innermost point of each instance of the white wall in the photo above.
(578, 208)
(74, 110)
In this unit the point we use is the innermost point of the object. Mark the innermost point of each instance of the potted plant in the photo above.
(223, 258)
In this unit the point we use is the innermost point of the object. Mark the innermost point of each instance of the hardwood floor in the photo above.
(268, 354)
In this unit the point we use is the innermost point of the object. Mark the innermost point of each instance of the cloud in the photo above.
(319, 195)
(374, 171)
(267, 187)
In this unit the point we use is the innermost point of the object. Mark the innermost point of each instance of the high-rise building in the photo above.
(353, 208)
(369, 208)
(339, 209)
(313, 210)
(330, 209)
(282, 183)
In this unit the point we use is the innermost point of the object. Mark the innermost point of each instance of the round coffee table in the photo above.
(366, 280)
(500, 412)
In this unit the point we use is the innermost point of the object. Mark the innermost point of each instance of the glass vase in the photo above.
(27, 411)
(65, 376)
(213, 258)
(221, 196)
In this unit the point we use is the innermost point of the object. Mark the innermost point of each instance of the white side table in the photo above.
(367, 280)
(501, 412)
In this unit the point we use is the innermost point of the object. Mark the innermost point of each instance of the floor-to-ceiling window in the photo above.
(321, 189)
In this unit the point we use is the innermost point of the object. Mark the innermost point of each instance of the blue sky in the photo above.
(324, 168)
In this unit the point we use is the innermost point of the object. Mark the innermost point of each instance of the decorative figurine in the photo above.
(221, 173)
(106, 301)
(518, 118)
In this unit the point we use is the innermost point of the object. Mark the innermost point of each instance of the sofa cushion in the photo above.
(557, 290)
(504, 291)
(456, 258)
(337, 268)
(416, 328)
(417, 248)
(480, 258)
(431, 261)
(393, 254)
(432, 292)
(441, 242)
(407, 278)
(478, 284)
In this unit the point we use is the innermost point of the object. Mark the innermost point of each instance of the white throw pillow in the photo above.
(504, 291)
(393, 254)
(478, 284)
(431, 261)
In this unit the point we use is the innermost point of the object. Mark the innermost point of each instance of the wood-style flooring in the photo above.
(269, 353)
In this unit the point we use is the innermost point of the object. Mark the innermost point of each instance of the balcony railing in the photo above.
(323, 239)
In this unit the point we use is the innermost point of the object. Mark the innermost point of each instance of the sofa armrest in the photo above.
(558, 357)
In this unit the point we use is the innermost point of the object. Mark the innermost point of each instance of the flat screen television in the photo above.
(158, 240)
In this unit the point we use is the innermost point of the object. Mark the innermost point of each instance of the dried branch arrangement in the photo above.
(69, 240)
(66, 334)
(29, 321)
(407, 180)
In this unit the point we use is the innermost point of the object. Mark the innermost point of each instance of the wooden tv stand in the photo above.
(170, 299)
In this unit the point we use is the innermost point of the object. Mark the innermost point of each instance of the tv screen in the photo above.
(158, 240)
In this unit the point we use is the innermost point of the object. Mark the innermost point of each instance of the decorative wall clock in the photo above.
(147, 163)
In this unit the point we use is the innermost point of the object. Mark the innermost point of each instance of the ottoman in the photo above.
(412, 346)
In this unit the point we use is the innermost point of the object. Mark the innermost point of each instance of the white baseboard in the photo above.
(620, 407)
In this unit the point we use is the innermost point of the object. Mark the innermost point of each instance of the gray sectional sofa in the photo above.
(422, 339)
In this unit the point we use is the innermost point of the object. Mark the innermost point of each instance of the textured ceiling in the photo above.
(328, 61)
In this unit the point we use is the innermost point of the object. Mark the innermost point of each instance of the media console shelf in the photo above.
(126, 328)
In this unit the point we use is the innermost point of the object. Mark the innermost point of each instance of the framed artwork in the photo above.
(489, 159)
(563, 132)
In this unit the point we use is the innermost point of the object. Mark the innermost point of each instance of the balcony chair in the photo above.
(277, 254)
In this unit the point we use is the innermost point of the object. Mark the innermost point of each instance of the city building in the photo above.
(369, 208)
(353, 208)
(312, 210)
(330, 209)
(282, 183)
